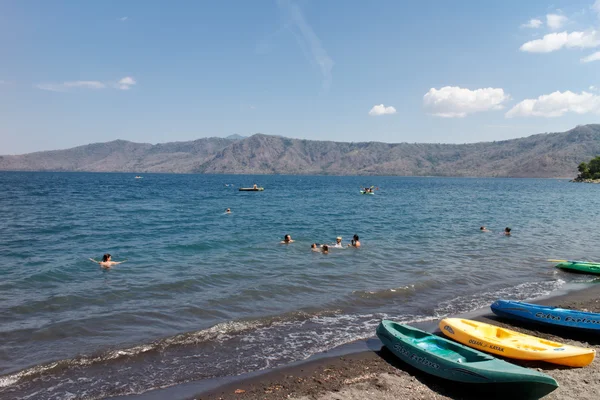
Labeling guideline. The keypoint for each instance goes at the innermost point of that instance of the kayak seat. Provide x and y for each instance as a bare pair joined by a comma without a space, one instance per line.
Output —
451,351
502,334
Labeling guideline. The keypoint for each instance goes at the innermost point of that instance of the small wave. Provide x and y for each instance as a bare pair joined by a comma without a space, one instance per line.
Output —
191,247
523,291
215,334
401,291
260,343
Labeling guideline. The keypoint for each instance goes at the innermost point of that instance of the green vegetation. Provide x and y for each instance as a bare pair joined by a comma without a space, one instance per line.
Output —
589,170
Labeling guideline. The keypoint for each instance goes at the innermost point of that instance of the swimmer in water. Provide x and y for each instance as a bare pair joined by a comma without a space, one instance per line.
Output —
287,239
315,247
338,242
228,211
483,229
325,249
107,261
354,242
507,231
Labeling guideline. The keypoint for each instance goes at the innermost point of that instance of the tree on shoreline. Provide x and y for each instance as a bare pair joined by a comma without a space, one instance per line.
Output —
589,170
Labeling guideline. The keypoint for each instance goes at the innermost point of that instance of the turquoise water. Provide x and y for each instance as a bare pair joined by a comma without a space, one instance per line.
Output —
205,294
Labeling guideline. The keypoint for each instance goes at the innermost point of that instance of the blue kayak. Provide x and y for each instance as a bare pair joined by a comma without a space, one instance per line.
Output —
547,315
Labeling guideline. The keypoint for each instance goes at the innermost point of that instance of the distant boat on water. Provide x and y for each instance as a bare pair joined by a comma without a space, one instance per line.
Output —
254,188
138,177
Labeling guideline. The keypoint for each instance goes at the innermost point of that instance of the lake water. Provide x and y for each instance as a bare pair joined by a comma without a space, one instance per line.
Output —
205,294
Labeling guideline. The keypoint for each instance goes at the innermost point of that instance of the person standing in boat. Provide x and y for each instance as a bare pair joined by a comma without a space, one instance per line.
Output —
255,186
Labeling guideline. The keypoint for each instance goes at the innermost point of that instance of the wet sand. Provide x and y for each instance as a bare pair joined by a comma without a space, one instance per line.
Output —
378,374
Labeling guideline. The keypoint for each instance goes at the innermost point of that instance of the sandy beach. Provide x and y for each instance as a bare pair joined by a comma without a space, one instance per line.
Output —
380,375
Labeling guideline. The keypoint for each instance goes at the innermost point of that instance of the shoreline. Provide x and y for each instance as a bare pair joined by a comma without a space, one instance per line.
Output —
363,370
576,180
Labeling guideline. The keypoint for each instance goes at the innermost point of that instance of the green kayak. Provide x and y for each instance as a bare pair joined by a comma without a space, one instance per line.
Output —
580,266
453,361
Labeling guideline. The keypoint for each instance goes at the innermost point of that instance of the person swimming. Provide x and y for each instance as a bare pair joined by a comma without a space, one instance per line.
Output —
315,247
338,242
107,261
228,211
507,231
287,239
483,229
325,249
354,242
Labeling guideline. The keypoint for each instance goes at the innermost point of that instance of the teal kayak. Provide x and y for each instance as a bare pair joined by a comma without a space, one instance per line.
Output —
453,361
580,266
363,192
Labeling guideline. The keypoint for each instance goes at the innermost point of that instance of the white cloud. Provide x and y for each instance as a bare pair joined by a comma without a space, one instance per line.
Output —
593,88
592,57
533,23
85,84
123,84
126,83
456,102
555,21
123,19
556,41
380,109
308,40
65,86
557,104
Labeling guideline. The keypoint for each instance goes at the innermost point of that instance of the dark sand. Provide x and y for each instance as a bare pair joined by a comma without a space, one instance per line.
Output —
378,374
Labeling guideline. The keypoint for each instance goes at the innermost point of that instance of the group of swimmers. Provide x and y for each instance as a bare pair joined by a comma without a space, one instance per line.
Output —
107,261
324,248
506,231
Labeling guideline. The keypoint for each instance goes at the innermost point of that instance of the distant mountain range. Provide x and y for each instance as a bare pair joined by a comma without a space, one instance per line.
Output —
548,155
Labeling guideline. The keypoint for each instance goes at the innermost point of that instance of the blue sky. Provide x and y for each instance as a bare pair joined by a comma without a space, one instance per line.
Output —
73,73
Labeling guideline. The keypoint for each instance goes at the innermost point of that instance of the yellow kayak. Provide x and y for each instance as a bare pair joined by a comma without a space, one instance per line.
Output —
504,342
